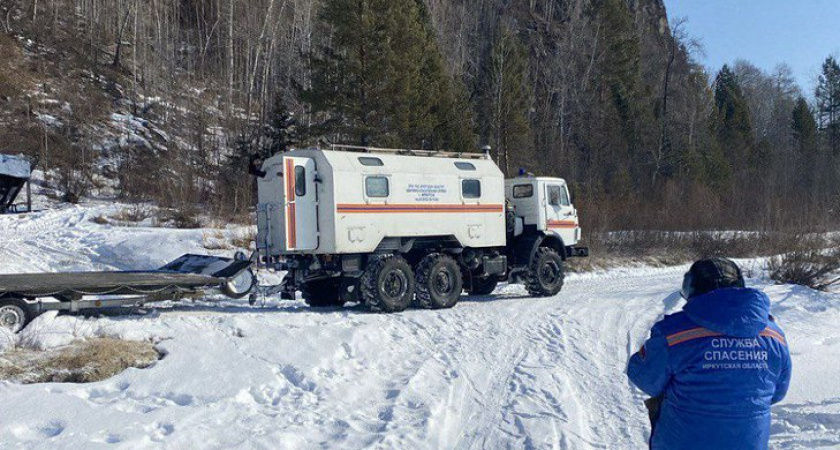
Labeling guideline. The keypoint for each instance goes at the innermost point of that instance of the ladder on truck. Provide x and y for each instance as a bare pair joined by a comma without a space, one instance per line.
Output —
409,152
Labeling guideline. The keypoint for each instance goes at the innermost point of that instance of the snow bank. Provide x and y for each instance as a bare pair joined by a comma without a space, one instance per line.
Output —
8,340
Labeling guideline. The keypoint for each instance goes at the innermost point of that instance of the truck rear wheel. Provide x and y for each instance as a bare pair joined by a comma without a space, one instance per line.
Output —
15,314
483,285
387,284
439,282
545,273
321,293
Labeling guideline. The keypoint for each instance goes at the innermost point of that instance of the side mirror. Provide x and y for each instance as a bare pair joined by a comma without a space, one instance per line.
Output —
255,163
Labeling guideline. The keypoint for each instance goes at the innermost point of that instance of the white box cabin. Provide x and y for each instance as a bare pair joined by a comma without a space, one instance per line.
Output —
341,202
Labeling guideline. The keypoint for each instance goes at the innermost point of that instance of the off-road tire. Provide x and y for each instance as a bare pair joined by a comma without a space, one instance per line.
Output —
483,285
439,282
387,284
15,314
322,293
545,273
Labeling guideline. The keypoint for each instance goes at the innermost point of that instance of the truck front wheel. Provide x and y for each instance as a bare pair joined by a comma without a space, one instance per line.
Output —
387,284
545,273
439,282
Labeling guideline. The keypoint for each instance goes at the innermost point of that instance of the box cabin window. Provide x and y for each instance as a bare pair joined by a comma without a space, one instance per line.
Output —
376,187
554,195
300,181
465,165
523,191
471,188
369,161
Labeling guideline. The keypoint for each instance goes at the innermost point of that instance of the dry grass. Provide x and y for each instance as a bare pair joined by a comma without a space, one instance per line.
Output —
814,265
243,240
230,240
179,218
100,220
134,213
215,240
659,249
81,362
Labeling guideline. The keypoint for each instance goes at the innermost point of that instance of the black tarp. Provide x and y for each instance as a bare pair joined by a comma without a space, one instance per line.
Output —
10,187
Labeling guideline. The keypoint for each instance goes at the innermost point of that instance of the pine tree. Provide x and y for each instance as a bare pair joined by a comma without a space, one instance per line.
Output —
620,64
507,98
280,133
804,128
828,103
804,132
381,79
731,120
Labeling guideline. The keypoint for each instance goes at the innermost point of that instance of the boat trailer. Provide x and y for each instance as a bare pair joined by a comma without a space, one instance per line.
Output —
25,296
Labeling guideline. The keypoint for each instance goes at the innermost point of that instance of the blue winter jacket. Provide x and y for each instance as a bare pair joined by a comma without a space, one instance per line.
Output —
720,364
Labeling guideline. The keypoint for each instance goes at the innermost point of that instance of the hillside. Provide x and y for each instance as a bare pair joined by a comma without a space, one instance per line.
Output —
166,101
143,101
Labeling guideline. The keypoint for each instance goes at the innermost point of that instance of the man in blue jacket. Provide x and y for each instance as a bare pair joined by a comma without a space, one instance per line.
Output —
717,366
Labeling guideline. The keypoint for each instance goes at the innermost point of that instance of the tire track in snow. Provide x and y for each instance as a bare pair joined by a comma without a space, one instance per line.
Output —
569,387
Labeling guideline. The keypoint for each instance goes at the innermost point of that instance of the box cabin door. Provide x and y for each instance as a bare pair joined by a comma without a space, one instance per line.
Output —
561,217
270,210
301,203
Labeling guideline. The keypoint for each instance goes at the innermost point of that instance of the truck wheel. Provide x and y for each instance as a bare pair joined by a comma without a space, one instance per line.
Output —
545,273
321,293
15,314
439,282
484,285
388,284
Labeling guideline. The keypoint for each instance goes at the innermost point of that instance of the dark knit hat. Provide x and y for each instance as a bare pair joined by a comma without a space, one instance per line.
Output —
709,274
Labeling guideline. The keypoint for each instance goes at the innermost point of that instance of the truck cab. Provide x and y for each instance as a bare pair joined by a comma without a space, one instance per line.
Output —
542,206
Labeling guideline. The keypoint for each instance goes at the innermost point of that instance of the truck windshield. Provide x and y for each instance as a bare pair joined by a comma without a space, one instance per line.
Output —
564,196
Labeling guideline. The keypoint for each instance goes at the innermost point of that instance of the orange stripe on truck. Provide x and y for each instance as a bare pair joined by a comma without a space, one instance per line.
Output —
561,224
291,231
348,208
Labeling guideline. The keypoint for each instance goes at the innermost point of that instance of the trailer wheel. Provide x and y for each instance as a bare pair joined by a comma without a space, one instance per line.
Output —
321,293
545,273
387,284
439,282
241,285
483,285
15,314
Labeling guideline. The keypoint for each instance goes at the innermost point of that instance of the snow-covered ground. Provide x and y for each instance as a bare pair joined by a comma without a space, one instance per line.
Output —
501,371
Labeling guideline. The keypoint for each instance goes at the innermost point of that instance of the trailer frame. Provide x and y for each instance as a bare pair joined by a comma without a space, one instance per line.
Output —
190,276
